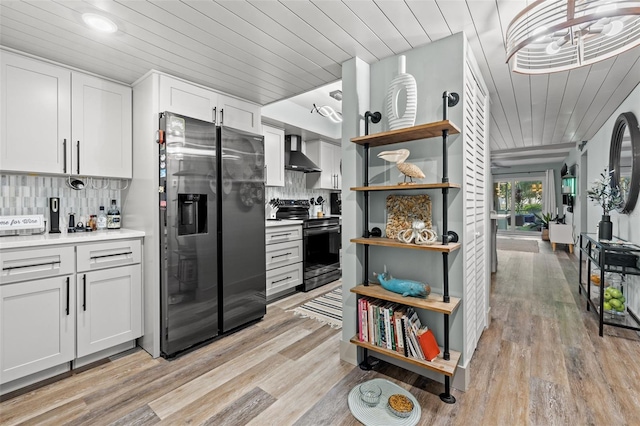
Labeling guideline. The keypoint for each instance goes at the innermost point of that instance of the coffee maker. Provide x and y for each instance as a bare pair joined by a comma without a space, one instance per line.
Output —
335,201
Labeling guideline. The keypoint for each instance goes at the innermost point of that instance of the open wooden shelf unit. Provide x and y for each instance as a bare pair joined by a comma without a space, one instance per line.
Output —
421,131
388,242
439,365
401,187
433,302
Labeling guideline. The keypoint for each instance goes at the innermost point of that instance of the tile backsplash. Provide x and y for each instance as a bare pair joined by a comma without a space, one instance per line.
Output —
27,195
295,188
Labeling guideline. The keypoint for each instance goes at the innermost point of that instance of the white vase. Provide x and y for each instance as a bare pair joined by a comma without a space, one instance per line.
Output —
408,83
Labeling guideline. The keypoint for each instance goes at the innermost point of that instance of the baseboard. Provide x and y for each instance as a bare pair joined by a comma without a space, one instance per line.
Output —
348,352
89,359
24,382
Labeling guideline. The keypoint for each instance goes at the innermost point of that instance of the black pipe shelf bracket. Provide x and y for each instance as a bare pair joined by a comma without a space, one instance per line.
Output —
375,117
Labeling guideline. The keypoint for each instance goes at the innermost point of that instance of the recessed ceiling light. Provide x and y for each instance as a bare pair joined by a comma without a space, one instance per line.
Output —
99,23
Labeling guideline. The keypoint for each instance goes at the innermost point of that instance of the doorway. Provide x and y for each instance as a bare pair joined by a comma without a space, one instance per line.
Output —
518,203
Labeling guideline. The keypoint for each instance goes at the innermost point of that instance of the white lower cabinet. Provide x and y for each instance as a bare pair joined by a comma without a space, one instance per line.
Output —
284,256
60,304
108,306
284,278
37,326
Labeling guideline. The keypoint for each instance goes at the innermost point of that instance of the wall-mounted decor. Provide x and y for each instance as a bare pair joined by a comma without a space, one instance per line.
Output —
405,84
624,159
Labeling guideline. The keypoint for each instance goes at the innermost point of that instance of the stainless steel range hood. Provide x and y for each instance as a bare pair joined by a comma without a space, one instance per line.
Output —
294,159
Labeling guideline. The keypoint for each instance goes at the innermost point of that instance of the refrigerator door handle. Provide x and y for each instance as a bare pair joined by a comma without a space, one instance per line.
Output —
222,116
214,114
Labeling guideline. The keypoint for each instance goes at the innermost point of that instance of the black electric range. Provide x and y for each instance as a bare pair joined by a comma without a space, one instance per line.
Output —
321,242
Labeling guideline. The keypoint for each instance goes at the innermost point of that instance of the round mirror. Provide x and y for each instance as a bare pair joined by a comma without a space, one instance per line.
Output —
624,159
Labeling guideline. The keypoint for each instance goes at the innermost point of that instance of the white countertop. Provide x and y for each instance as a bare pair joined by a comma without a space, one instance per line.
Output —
283,222
24,241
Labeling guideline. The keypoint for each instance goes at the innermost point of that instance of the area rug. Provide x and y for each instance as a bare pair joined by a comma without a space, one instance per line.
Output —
326,308
516,244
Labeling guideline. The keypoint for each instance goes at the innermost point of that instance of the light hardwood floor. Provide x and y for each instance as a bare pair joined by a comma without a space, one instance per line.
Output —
541,362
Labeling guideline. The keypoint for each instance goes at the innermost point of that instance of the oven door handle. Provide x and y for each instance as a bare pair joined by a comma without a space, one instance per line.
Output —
319,230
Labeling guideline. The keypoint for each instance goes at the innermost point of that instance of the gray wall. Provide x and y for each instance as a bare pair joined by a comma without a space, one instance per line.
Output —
595,157
433,76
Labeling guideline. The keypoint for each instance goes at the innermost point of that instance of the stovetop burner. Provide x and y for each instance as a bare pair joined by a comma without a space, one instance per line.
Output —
293,209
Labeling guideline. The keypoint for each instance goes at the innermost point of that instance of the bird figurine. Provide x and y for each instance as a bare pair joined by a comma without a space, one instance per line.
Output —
409,170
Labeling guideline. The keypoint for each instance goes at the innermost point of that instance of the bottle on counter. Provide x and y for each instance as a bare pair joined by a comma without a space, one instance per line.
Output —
113,216
102,219
93,222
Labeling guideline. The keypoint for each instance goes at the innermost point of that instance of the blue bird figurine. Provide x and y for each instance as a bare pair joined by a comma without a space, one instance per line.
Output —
403,287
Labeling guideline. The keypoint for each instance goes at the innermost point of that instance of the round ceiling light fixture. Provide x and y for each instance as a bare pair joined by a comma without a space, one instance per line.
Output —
558,35
99,23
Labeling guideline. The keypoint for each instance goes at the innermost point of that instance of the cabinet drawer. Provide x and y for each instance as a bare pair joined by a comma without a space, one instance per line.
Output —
283,254
284,278
108,254
23,265
279,234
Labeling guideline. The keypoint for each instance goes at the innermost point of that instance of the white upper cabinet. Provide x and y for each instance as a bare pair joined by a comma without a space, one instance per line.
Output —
273,155
56,121
35,128
193,101
239,114
328,157
187,99
101,127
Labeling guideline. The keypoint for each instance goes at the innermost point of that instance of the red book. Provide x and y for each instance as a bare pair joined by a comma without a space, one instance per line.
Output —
429,345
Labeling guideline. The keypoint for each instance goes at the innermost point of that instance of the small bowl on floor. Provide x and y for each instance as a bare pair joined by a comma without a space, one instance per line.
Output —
370,394
400,406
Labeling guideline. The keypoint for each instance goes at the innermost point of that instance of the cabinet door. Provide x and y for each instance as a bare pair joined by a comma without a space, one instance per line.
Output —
327,156
35,124
101,117
37,326
109,308
186,99
273,155
239,114
337,166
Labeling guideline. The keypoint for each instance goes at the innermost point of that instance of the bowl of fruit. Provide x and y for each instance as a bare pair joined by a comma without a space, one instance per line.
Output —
614,301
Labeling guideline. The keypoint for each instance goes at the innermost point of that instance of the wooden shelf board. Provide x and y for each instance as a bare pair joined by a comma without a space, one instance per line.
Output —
433,302
406,187
388,242
438,365
421,131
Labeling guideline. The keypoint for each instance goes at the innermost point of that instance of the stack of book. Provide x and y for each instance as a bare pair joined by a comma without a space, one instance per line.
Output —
395,327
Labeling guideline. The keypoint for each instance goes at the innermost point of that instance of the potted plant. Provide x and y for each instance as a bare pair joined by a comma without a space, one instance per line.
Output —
544,219
608,197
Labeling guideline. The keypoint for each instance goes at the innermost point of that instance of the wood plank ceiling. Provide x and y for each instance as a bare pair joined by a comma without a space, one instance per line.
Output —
269,50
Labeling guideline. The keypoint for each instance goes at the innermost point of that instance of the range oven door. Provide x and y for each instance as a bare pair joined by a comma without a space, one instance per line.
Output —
322,244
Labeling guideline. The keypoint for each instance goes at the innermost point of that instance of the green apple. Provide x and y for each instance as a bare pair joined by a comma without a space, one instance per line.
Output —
615,303
621,299
607,295
615,293
606,306
620,308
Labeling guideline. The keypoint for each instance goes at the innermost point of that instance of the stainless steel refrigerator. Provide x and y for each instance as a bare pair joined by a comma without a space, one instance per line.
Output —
211,213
